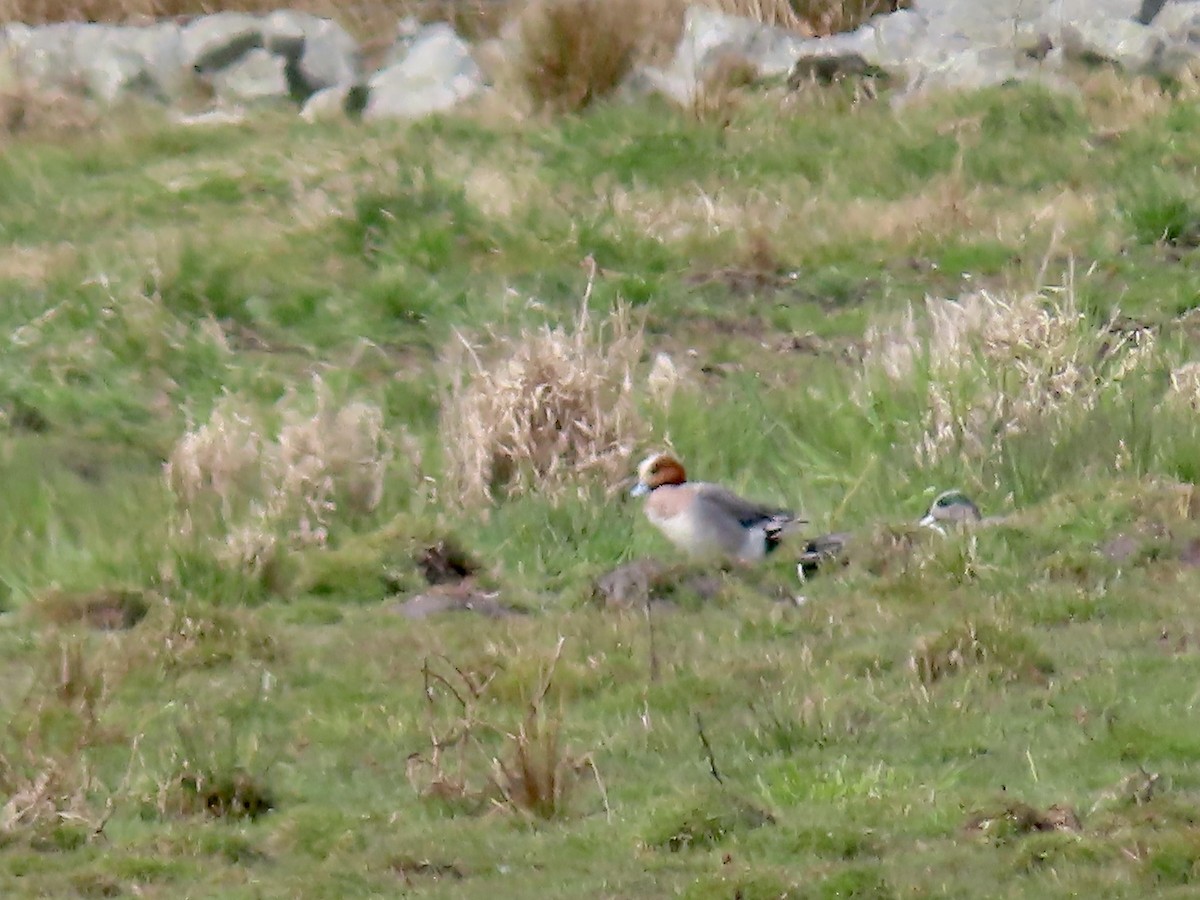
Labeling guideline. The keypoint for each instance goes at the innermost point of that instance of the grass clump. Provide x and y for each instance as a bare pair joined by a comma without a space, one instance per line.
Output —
235,794
27,109
707,823
104,609
185,637
1162,213
255,492
219,768
554,408
994,366
960,648
537,774
49,795
1185,386
531,773
575,52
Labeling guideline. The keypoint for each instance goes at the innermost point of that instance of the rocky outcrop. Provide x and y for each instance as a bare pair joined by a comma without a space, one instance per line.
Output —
281,56
708,36
944,44
963,43
242,59
431,72
108,62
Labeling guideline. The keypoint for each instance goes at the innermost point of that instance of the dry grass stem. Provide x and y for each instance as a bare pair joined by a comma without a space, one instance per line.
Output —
533,775
1185,386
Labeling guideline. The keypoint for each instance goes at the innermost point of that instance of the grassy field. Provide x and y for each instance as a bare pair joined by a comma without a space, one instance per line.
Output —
252,373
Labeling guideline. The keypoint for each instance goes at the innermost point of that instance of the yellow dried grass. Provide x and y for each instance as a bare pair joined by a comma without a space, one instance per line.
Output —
249,488
546,412
995,364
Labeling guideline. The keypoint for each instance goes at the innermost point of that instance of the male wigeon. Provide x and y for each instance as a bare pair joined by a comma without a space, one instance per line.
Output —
707,520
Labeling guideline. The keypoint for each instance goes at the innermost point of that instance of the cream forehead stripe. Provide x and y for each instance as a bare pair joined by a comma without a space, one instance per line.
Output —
645,465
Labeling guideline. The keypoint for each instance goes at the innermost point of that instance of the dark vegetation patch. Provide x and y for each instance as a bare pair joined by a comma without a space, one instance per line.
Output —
414,871
446,562
112,609
225,795
706,824
1014,819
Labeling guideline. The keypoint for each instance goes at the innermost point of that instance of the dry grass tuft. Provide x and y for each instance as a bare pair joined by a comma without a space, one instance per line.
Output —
48,793
47,800
996,365
1117,101
106,609
1185,386
549,411
251,489
775,13
574,52
27,109
825,17
717,97
535,773
538,774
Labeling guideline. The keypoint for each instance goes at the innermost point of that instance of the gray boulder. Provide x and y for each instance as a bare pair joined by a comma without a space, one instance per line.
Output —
322,53
336,102
257,76
105,61
968,43
1180,22
211,43
1127,43
708,36
285,53
121,61
435,73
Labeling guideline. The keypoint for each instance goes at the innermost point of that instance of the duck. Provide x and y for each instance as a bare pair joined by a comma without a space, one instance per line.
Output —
949,509
708,521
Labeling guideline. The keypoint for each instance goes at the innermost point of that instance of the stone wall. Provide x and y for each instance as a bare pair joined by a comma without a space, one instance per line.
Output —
235,60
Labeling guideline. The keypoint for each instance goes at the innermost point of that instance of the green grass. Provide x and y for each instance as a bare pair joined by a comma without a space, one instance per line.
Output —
148,271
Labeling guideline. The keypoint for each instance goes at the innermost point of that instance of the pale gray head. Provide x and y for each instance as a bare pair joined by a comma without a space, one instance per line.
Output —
953,507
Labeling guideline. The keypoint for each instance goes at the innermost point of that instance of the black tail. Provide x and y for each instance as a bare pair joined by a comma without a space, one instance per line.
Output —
777,527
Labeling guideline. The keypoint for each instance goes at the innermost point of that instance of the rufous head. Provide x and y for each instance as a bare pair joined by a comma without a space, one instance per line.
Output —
656,470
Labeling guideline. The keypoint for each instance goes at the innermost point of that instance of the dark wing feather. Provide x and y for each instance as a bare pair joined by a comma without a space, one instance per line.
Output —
748,513
824,549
